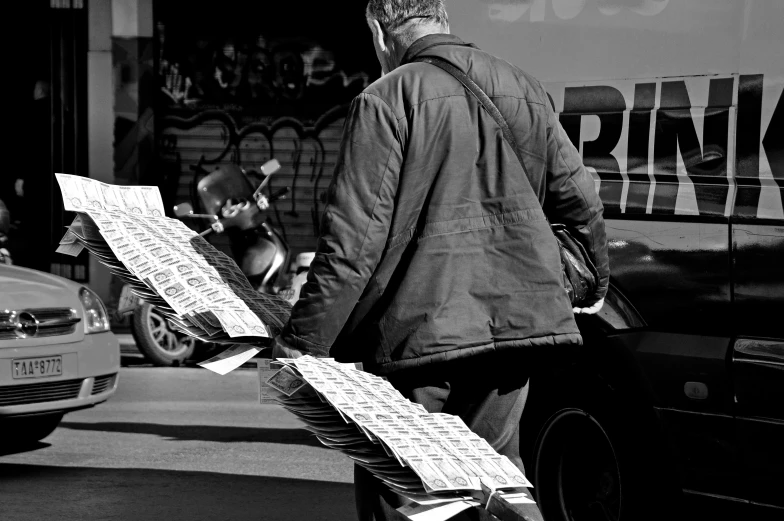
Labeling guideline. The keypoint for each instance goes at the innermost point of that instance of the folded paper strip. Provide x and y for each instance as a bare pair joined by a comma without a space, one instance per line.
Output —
201,291
431,459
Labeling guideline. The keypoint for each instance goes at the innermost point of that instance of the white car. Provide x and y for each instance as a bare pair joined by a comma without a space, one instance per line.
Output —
57,353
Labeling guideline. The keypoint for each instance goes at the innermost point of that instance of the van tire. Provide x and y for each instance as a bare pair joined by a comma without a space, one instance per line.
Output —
597,457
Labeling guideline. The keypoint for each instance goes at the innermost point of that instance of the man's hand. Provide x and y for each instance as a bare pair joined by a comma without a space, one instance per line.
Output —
592,310
282,350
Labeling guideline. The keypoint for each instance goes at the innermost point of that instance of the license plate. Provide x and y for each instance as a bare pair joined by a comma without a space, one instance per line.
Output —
38,367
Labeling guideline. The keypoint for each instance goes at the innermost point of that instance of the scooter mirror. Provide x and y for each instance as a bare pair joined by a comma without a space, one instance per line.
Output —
183,209
270,167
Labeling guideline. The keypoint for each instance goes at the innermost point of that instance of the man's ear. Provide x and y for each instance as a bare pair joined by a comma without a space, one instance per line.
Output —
378,34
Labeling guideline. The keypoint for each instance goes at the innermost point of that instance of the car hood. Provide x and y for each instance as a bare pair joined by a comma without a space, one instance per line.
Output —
22,288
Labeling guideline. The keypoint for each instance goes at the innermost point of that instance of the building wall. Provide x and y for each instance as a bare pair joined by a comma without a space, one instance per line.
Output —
230,82
240,82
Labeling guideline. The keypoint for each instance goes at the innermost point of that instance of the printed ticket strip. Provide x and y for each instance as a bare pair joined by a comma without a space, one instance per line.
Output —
429,458
201,291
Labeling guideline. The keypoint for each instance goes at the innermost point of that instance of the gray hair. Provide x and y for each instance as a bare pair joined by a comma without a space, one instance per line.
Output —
395,15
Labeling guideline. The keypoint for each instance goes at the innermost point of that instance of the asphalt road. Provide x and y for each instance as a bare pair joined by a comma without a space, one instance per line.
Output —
178,444
187,444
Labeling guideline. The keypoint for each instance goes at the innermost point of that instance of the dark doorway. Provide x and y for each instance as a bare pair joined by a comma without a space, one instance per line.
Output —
49,98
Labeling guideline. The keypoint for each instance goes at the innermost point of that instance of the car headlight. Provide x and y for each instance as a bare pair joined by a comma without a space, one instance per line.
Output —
96,319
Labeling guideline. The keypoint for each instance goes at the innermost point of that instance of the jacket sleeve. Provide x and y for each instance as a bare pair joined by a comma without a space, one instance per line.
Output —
354,226
571,198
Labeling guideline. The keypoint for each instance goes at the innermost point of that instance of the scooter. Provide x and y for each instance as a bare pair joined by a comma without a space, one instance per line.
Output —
232,208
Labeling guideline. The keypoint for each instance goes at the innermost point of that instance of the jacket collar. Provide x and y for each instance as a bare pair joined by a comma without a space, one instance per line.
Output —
429,41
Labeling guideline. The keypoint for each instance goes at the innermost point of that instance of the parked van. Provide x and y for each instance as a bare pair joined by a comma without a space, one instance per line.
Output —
676,107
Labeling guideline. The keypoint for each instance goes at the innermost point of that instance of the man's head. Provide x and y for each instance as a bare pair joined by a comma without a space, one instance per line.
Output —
396,24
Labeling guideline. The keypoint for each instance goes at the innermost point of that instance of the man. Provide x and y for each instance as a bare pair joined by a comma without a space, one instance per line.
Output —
435,264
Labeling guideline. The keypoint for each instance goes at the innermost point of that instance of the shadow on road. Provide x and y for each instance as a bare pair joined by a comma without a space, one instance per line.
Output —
134,361
38,492
27,447
91,494
226,434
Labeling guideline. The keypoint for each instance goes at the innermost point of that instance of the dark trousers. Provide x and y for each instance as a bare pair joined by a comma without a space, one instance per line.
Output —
488,392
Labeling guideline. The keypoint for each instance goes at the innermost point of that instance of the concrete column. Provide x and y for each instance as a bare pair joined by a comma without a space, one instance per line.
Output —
120,92
100,115
132,54
133,91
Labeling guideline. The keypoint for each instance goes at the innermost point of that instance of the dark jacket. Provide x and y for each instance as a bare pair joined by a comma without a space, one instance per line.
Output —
433,243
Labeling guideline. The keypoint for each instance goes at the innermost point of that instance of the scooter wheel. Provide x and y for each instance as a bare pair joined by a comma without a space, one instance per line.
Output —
156,340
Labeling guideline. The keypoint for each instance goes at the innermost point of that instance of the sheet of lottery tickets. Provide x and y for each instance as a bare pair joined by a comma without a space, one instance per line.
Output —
422,456
166,262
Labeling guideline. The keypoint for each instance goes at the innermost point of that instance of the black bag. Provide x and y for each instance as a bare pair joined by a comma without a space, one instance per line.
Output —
580,276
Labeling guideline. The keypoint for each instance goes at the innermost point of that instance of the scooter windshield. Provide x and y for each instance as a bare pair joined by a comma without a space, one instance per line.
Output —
228,182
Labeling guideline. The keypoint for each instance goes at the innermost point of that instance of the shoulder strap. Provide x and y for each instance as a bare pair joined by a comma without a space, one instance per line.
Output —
480,95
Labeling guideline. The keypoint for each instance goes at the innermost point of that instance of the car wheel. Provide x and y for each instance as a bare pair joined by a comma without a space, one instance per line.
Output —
594,460
157,341
28,429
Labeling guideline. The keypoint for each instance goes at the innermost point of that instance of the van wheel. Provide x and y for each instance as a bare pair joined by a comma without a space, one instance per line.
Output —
594,460
157,341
